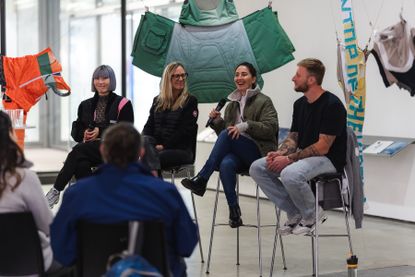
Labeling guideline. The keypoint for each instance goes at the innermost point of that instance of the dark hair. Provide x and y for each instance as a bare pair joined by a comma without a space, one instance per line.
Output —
11,156
121,144
251,70
315,68
104,71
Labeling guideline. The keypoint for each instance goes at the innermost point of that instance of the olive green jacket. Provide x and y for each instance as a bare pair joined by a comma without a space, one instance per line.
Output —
259,113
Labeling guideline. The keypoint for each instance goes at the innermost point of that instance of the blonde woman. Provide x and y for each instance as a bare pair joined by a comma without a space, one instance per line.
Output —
171,126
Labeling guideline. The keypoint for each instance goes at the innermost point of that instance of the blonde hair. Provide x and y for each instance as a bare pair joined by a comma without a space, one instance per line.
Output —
165,98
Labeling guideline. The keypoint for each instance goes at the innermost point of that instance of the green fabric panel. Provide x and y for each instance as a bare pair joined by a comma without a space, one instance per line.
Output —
224,13
271,45
213,91
45,68
44,64
210,56
151,43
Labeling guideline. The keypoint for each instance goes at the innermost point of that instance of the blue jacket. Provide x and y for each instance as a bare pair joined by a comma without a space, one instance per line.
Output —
112,195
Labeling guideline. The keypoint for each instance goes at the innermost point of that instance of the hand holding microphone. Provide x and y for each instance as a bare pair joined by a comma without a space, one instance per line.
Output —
215,113
91,133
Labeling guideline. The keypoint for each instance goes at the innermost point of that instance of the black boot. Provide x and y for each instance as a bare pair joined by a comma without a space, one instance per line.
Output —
196,184
235,219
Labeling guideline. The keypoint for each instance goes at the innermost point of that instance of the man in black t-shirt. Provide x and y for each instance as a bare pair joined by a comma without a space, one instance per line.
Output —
315,145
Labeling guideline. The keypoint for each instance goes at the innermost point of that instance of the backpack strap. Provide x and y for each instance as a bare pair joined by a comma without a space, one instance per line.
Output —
121,105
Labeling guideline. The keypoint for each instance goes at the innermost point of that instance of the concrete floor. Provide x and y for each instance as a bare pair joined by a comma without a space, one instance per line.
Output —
381,243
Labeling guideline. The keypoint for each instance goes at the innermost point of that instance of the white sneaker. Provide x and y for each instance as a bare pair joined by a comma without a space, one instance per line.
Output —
308,226
289,225
53,197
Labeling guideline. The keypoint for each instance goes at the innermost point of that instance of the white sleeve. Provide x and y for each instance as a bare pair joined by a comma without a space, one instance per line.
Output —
36,201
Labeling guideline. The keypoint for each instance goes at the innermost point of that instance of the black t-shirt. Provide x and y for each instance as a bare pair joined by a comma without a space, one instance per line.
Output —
326,115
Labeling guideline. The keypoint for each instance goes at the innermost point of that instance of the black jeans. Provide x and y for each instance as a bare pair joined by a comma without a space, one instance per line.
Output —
83,156
156,160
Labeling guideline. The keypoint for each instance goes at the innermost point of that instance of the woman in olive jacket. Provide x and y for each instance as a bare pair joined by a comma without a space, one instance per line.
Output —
248,131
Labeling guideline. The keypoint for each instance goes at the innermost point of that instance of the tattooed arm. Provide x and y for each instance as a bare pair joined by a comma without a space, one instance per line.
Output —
277,160
289,145
320,148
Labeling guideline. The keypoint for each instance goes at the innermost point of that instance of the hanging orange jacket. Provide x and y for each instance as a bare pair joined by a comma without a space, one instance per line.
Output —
28,78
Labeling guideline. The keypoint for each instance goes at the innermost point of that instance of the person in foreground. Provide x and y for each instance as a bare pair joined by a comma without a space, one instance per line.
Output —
247,132
316,144
94,116
171,128
122,190
21,191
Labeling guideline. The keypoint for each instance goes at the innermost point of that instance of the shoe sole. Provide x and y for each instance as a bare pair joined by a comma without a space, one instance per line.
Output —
51,205
239,224
310,232
187,185
284,233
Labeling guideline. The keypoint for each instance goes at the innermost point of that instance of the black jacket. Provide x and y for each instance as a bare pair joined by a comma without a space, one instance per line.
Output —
174,129
86,115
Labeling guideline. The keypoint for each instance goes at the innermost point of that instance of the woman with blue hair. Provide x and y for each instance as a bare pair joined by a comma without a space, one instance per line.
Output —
94,116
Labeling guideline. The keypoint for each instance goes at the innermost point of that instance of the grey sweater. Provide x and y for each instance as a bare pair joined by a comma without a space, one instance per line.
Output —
354,178
29,196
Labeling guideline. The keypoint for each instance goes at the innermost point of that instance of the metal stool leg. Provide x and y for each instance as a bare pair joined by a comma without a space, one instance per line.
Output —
194,212
213,226
276,237
315,237
346,218
258,216
197,223
237,229
198,232
281,242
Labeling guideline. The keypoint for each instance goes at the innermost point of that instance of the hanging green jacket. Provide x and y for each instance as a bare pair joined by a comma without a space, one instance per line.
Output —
211,53
206,13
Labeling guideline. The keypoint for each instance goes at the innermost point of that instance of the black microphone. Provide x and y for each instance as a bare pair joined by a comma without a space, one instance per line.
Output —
91,126
219,107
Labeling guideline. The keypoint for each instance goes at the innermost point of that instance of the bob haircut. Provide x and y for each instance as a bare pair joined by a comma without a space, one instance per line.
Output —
104,71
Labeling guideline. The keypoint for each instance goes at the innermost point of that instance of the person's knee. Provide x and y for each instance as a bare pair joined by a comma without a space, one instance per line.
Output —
73,155
291,177
227,165
257,168
223,135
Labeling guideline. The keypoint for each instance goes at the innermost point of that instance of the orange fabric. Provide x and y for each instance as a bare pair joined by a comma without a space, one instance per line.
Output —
25,84
20,133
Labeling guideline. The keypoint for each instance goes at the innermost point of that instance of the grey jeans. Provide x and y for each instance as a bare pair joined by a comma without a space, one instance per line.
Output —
289,190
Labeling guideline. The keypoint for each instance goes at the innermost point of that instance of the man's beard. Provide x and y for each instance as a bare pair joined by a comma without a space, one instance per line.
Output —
301,88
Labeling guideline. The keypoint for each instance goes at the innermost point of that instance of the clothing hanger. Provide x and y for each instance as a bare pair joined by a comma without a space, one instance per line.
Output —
401,14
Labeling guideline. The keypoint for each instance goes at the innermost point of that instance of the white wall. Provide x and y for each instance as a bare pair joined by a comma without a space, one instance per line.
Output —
311,25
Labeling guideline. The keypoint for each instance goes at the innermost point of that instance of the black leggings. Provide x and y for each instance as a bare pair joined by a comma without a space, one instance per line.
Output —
83,156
